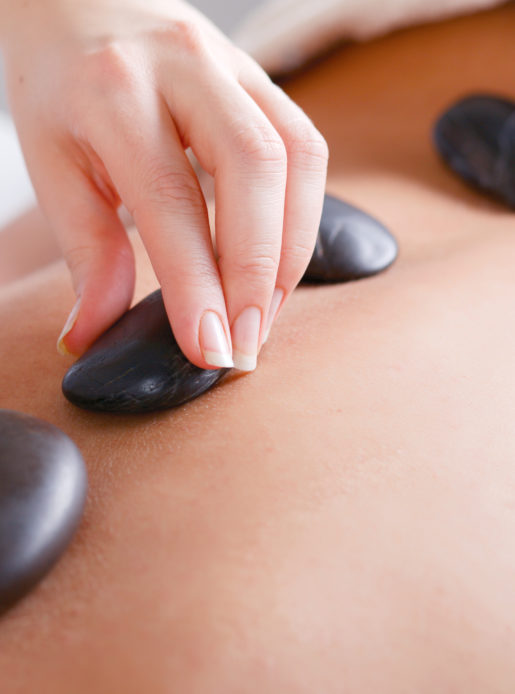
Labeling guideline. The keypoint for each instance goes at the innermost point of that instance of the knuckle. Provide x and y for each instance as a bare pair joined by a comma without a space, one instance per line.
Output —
297,255
259,144
110,66
185,35
259,263
306,143
163,185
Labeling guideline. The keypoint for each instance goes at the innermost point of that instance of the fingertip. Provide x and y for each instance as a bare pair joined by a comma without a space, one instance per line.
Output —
62,346
63,350
213,341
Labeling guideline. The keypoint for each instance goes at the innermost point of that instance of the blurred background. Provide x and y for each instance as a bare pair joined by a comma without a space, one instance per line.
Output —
227,14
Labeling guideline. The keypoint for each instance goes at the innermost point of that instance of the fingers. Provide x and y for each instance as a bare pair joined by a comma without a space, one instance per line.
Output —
270,166
95,246
157,184
307,154
240,147
250,185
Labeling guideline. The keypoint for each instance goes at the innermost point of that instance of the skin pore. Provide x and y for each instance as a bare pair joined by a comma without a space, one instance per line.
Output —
342,519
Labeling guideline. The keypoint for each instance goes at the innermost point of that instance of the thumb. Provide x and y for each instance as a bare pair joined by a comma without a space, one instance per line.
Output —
97,251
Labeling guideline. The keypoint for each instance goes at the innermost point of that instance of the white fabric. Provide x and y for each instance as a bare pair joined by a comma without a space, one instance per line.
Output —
16,192
283,34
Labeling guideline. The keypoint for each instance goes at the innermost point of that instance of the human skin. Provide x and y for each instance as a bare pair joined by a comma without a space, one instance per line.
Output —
26,244
342,519
107,96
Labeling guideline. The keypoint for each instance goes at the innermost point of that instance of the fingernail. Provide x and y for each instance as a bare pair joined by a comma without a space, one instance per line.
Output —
70,322
277,298
245,336
213,342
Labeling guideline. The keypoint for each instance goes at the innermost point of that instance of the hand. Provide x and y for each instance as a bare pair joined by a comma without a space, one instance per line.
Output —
107,96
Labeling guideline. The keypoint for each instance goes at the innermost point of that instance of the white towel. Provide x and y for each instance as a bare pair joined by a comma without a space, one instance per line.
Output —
282,34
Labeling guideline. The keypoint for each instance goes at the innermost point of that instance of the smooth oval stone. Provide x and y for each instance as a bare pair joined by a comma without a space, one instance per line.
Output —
476,138
43,485
137,366
350,245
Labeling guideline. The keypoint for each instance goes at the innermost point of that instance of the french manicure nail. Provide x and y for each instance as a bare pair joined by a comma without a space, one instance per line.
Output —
277,298
213,342
245,336
70,322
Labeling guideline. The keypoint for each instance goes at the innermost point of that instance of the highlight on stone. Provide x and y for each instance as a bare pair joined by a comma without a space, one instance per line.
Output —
476,139
350,245
137,366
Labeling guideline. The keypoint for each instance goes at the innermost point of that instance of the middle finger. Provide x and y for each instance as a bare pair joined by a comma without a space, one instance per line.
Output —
238,145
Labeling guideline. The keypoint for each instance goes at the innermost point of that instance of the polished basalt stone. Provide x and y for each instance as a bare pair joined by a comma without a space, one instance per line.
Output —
43,486
350,245
476,138
137,366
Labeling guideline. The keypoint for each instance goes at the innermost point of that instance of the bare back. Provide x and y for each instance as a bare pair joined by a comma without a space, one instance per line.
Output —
341,520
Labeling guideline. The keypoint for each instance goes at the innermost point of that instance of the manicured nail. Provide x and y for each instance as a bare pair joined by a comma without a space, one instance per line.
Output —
70,322
245,336
213,342
277,298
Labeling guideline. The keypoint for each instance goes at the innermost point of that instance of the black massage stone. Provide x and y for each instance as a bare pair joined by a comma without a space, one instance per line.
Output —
137,366
350,245
43,486
476,138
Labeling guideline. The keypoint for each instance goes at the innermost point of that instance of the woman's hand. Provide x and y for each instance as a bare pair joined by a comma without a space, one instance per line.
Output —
107,96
